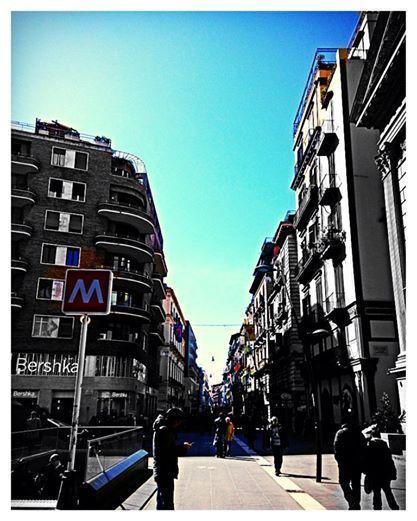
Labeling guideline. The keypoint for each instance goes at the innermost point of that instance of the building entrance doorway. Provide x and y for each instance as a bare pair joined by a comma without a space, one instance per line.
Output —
61,406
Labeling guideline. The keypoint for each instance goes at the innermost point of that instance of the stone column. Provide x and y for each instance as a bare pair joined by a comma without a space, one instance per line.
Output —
387,161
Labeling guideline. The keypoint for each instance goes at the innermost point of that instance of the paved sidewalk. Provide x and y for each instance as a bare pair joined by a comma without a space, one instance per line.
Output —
246,481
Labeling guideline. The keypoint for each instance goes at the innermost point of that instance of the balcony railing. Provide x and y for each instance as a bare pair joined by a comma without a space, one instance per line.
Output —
329,192
24,164
332,243
21,230
306,206
309,263
17,300
133,310
324,58
129,244
22,196
304,155
129,213
336,308
131,275
328,140
19,264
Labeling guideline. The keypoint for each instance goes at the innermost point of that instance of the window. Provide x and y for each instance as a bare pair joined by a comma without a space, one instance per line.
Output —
63,222
69,158
47,326
50,289
58,156
71,190
60,255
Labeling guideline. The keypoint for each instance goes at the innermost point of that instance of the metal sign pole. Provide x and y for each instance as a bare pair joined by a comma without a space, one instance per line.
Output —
85,320
68,493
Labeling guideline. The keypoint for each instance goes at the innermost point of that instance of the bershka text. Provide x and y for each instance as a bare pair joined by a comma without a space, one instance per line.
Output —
39,367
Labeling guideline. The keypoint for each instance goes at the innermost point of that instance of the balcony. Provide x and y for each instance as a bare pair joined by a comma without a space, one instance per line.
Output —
23,164
328,140
158,288
127,214
160,266
21,231
336,310
305,153
17,301
157,334
128,179
308,265
329,192
332,244
22,197
131,311
306,207
125,244
129,277
110,345
158,312
19,265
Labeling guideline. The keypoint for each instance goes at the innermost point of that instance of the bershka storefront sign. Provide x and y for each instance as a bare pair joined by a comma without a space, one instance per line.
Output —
37,365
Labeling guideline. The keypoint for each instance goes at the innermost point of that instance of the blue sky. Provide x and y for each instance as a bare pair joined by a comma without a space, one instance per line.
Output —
207,101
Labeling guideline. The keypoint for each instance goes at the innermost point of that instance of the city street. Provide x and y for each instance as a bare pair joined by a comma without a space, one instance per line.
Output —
246,481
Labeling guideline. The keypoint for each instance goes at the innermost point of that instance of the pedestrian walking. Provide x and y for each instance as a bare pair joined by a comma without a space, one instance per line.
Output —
278,442
230,433
379,468
219,435
349,445
165,456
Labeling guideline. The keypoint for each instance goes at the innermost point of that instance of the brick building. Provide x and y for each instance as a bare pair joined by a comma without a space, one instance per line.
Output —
78,203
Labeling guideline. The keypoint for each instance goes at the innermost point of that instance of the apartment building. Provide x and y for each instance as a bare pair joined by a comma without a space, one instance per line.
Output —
172,355
260,313
191,371
379,104
343,268
288,372
76,202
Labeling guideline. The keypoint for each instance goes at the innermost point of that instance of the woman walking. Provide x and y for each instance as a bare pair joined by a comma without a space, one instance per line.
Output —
230,432
379,471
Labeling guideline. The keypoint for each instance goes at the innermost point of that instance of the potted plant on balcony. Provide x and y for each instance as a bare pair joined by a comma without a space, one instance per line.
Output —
390,425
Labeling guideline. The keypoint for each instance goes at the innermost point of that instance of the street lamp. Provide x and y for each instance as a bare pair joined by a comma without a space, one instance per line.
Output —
306,338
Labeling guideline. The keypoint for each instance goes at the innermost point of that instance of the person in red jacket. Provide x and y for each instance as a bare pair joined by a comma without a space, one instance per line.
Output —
380,470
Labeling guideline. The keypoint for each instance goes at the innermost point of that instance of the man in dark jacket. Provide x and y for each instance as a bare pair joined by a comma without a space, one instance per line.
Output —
220,435
278,441
380,470
165,456
349,445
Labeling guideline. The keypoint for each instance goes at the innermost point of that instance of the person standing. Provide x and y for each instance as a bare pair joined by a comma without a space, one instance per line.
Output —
380,470
54,472
278,442
165,456
349,445
33,425
230,433
219,435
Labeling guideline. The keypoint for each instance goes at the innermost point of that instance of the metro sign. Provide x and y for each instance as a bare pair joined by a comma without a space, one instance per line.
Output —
87,292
